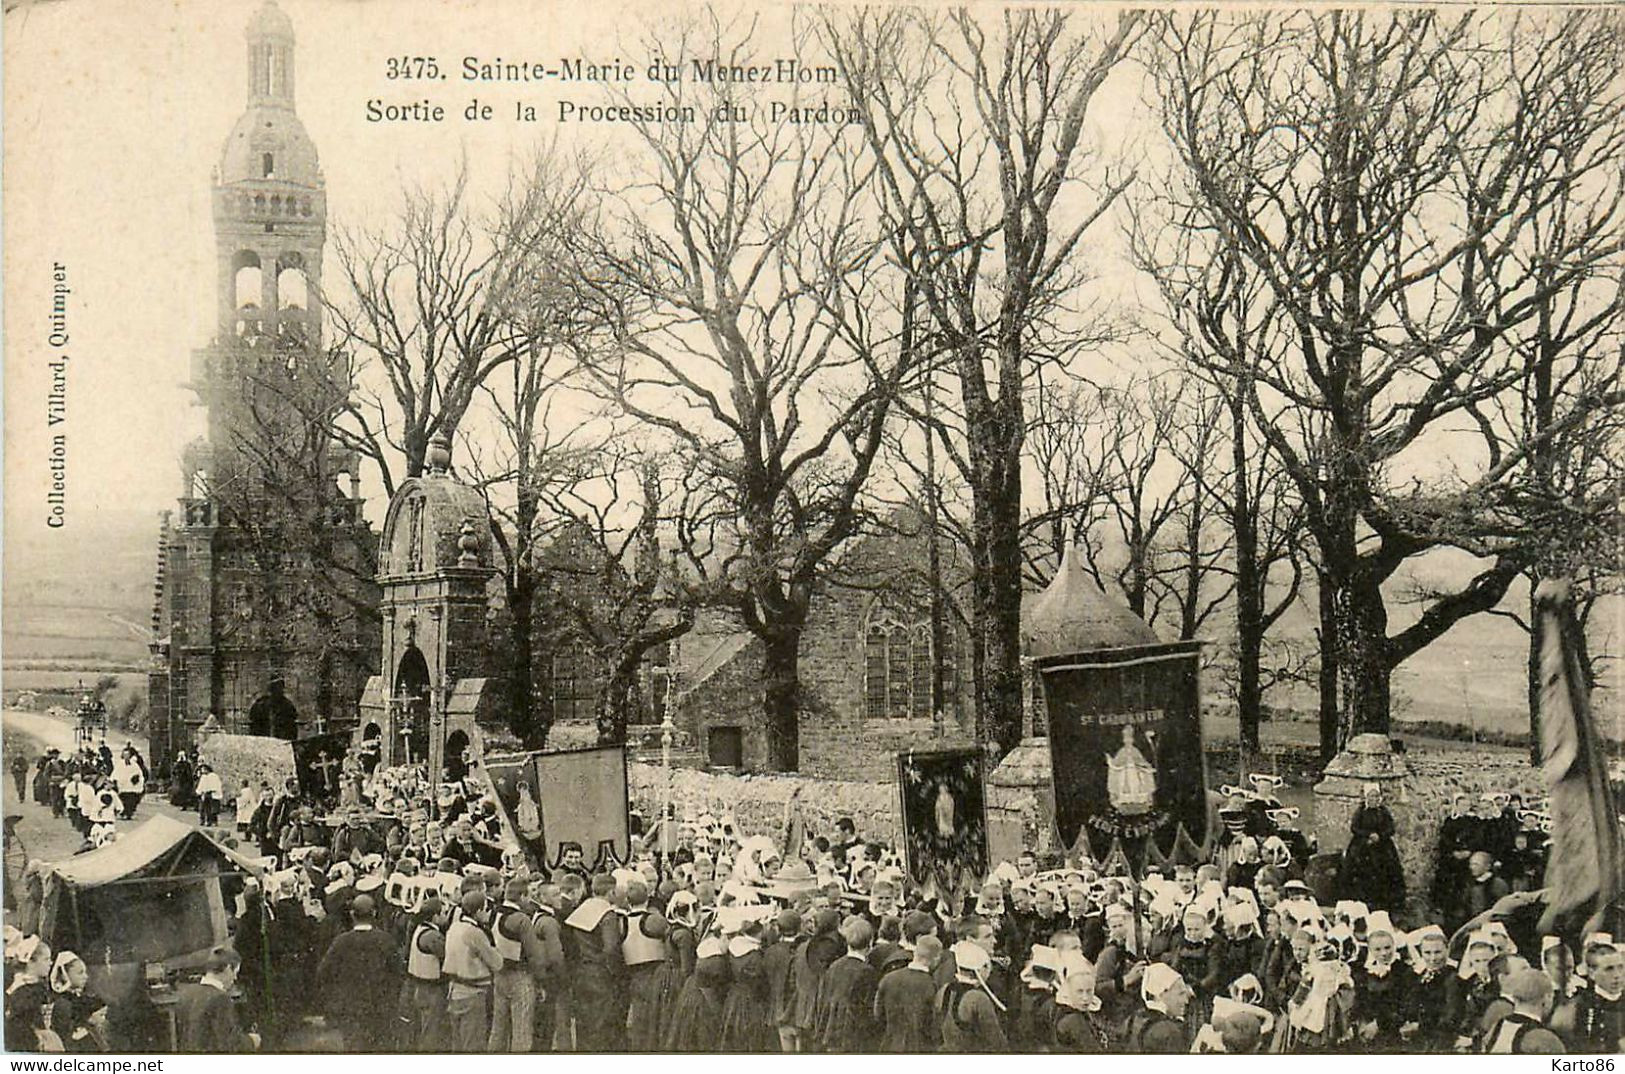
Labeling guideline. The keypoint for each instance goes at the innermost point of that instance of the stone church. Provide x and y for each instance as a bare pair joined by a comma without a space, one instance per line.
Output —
265,605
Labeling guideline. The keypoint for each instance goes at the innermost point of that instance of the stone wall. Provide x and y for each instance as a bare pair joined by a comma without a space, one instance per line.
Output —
251,757
1434,778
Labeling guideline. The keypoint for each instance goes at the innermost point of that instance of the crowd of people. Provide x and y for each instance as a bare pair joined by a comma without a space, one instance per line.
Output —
90,787
395,932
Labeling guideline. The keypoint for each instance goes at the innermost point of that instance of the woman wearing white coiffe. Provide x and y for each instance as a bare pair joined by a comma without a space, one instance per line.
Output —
758,861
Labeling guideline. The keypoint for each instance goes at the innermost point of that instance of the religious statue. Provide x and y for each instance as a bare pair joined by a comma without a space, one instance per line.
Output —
528,815
350,786
1131,781
945,811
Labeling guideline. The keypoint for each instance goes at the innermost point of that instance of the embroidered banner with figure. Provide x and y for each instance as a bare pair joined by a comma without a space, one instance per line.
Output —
1125,741
941,795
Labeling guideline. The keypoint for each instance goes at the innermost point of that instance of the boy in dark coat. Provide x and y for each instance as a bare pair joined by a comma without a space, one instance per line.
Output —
905,1002
361,966
844,1018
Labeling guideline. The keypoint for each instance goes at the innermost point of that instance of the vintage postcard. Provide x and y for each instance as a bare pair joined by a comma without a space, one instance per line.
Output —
850,527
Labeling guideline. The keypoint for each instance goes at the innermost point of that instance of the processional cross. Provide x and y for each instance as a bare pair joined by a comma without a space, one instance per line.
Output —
326,764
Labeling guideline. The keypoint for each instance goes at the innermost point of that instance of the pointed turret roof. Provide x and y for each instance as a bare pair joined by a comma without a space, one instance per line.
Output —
1074,615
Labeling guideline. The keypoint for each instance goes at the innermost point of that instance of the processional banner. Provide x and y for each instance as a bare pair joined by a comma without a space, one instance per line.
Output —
572,796
942,797
318,762
1125,739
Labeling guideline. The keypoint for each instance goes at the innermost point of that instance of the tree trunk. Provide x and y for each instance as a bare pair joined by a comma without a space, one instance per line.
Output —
998,516
614,704
981,611
1329,669
1138,569
1193,565
416,449
781,697
1362,654
529,721
1249,586
1532,675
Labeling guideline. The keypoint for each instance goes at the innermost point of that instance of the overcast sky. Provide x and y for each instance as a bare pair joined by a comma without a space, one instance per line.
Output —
116,114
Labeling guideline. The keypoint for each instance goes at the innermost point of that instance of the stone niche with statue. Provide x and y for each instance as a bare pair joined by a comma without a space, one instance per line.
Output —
443,611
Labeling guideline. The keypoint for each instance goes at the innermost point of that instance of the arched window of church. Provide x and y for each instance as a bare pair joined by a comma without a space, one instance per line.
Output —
920,674
899,666
874,673
950,672
898,661
267,166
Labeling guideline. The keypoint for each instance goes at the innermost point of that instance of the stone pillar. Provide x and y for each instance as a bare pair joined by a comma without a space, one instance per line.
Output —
1370,758
1020,803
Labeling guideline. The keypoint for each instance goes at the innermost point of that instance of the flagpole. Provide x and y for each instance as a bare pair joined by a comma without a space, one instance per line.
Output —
666,730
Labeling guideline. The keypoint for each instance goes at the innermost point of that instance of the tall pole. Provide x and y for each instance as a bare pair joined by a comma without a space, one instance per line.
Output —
437,744
933,547
667,729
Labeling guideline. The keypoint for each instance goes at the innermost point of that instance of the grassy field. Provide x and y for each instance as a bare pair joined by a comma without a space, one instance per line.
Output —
78,633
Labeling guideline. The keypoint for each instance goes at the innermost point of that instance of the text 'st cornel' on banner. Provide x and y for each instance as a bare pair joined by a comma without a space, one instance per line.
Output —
1125,738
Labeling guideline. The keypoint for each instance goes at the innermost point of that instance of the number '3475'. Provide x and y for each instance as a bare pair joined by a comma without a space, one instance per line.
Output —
409,68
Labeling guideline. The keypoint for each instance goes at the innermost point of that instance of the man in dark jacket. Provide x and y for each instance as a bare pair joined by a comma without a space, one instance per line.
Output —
19,773
906,1002
361,966
1482,890
205,1018
1594,1021
844,1018
814,957
592,937
355,839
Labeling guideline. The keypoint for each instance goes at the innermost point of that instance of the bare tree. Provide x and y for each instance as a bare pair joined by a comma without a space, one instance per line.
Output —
1373,170
985,175
426,309
1572,350
1222,320
762,338
550,212
1140,488
1193,573
280,506
613,588
1068,445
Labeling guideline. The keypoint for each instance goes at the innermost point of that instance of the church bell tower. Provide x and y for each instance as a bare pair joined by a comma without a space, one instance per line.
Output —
266,573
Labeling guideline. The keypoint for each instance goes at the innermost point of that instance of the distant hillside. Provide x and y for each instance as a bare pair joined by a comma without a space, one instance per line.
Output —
1474,675
83,594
